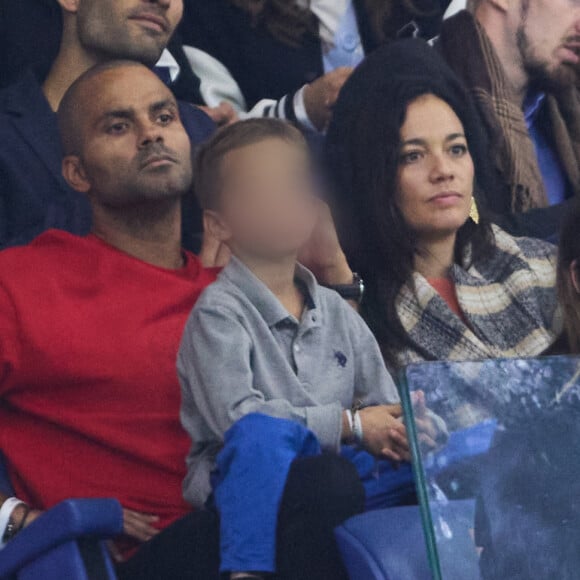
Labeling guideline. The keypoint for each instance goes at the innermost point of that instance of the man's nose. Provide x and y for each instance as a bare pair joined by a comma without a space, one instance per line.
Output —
162,3
150,133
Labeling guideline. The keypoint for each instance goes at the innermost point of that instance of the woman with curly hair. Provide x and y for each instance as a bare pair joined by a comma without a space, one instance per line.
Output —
289,58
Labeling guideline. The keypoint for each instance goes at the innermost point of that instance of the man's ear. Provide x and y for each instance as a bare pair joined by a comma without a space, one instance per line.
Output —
74,174
70,6
575,275
215,226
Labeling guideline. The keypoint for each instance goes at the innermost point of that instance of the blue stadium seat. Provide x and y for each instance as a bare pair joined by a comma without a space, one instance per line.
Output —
390,544
65,542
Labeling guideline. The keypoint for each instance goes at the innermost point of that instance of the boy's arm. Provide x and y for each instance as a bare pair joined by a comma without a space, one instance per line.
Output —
214,367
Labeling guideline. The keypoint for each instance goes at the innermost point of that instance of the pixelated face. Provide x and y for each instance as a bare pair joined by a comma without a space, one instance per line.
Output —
127,29
548,36
436,172
133,146
267,201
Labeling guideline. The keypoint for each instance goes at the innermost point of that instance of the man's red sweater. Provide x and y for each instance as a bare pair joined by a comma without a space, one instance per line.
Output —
89,395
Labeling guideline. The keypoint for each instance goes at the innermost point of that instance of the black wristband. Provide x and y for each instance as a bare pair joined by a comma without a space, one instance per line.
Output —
354,291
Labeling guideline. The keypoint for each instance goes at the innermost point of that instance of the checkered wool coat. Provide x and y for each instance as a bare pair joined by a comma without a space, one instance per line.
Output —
509,302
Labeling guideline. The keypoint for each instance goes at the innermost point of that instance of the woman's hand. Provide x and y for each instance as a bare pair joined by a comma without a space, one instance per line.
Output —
430,428
384,434
323,253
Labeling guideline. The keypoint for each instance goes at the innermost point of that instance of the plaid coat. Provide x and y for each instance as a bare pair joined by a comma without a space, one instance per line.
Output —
509,301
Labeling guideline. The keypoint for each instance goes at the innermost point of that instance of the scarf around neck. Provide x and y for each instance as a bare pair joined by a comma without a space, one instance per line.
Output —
478,65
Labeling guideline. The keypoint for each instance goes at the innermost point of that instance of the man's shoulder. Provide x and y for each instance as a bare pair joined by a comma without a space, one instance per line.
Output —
49,250
222,295
24,94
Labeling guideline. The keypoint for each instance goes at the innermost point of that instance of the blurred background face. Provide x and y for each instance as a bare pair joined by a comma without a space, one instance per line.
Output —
128,29
548,36
134,147
267,202
436,173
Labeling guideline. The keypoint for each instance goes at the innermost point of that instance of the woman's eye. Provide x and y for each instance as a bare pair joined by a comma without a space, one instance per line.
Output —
458,150
411,157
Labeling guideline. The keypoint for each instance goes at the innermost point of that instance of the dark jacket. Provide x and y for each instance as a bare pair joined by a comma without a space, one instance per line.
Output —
33,194
263,66
30,33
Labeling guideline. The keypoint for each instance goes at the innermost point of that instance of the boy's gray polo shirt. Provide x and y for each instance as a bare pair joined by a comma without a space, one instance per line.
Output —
242,353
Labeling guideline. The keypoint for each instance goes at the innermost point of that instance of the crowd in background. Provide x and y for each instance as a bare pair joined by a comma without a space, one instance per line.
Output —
164,166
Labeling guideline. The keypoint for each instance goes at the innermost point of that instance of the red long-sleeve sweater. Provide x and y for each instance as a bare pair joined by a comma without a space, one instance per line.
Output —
89,396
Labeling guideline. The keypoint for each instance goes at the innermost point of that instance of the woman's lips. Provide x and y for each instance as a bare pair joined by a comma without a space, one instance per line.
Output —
446,198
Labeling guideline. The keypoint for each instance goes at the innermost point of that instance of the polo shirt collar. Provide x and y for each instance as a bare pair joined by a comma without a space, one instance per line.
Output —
262,297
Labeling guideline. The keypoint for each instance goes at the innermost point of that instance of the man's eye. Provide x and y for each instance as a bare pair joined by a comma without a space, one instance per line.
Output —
117,128
166,118
458,150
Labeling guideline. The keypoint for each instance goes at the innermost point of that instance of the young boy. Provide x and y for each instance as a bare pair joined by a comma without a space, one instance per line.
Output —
266,338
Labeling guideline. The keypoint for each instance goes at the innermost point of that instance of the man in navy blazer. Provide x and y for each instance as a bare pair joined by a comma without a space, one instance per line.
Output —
33,194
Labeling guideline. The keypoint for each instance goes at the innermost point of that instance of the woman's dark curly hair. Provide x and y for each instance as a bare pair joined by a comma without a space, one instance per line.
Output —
362,152
291,23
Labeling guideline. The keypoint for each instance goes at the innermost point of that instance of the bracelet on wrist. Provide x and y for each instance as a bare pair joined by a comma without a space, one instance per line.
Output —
8,527
349,420
357,428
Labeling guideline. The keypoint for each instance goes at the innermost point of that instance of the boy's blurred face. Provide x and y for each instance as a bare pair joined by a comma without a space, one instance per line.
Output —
267,202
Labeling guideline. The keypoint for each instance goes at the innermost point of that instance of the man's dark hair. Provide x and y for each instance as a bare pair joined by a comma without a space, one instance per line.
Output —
363,148
209,157
70,110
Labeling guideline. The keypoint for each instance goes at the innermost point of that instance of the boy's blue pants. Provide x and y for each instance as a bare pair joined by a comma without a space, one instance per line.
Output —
251,475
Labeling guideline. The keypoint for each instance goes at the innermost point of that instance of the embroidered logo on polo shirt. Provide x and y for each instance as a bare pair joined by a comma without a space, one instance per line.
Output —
340,358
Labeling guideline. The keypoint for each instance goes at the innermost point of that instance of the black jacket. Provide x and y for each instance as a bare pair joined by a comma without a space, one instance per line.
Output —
263,66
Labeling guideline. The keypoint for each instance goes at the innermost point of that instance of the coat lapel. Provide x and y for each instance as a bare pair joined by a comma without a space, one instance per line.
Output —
35,121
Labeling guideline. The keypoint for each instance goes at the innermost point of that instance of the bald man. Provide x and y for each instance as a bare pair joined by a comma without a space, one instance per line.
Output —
90,328
34,196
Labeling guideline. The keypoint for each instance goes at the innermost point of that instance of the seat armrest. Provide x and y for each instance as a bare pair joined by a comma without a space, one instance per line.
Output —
67,521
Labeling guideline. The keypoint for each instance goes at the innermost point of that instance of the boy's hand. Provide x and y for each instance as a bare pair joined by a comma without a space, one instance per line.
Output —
323,254
384,433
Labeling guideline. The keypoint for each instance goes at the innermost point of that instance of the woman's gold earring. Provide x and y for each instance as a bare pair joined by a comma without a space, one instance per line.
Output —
474,212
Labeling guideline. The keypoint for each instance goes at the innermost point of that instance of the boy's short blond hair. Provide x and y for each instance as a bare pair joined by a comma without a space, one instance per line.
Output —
209,157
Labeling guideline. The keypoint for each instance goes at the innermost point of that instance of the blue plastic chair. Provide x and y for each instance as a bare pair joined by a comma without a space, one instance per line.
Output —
389,544
65,542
